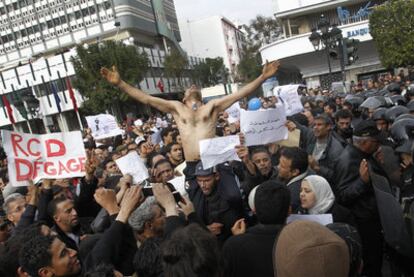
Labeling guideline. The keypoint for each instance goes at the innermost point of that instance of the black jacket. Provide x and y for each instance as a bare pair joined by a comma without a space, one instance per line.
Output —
349,188
250,254
329,157
251,181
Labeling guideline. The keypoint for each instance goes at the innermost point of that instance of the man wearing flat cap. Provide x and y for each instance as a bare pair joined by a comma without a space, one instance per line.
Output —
354,190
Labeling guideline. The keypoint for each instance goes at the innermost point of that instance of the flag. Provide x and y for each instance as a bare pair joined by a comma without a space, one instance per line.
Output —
56,96
160,85
71,94
8,109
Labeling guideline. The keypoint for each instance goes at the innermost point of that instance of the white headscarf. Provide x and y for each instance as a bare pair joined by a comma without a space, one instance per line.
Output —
323,194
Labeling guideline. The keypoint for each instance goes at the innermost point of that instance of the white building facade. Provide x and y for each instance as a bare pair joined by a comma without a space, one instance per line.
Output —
297,54
38,39
213,37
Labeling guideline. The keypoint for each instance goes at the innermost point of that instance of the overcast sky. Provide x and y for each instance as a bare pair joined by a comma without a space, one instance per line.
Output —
236,10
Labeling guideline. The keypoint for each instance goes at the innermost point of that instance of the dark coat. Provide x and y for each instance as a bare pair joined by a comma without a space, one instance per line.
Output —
329,157
349,188
250,254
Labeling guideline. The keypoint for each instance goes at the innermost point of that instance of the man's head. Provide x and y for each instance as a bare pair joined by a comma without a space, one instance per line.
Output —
101,153
270,201
63,213
174,153
167,135
147,220
367,137
192,96
260,156
14,206
110,166
322,126
293,162
207,179
164,171
343,119
329,108
46,256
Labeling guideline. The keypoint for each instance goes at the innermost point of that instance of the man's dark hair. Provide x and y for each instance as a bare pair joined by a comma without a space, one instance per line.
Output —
167,149
191,251
163,161
36,254
52,206
325,118
299,118
106,161
148,260
259,149
343,114
101,270
150,156
331,105
164,132
298,156
272,201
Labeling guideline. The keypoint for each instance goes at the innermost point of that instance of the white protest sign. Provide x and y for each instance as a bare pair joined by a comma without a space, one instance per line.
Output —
289,97
218,150
234,111
103,126
179,184
133,165
323,219
50,156
261,127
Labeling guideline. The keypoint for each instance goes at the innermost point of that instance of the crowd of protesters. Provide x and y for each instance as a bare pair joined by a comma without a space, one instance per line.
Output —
228,220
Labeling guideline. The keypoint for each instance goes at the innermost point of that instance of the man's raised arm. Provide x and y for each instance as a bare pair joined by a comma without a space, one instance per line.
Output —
113,77
269,70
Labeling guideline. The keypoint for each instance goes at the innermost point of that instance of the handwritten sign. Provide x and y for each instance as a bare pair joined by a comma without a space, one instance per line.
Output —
323,219
288,96
133,165
261,127
234,111
51,156
103,126
218,150
179,184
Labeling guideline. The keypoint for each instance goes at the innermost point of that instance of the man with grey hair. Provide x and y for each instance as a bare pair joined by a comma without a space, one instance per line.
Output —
14,206
147,220
354,190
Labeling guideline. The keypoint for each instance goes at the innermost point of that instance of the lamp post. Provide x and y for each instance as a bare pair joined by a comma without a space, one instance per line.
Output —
329,38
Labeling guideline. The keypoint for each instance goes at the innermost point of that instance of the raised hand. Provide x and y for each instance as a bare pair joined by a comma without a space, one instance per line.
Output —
106,199
270,69
165,198
364,171
239,227
112,76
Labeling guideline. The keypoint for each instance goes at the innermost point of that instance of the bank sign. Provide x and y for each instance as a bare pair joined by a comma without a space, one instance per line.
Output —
357,32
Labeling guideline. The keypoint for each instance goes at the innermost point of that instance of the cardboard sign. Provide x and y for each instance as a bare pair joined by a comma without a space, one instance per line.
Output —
262,127
218,150
50,156
289,97
103,126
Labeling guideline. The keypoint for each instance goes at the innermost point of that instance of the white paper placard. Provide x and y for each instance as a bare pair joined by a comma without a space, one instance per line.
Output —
262,127
323,219
133,165
289,97
103,126
218,150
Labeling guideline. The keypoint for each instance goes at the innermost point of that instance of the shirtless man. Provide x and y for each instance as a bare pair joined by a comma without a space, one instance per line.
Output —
194,120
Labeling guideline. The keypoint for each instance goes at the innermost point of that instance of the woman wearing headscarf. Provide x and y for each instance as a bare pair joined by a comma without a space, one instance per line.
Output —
316,197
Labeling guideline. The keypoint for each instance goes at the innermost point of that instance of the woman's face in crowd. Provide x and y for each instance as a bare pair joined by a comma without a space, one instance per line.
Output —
307,196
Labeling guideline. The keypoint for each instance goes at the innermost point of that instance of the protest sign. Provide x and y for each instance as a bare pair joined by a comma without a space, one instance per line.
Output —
218,150
293,139
261,127
179,185
103,126
50,156
234,111
268,86
133,165
323,219
289,97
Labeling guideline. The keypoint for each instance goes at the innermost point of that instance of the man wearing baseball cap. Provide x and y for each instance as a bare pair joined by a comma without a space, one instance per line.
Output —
354,190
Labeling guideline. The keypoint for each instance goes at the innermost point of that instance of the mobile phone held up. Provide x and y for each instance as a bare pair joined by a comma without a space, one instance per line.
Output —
147,191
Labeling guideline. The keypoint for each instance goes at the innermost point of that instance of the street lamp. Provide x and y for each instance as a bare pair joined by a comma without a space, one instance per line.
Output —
328,38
